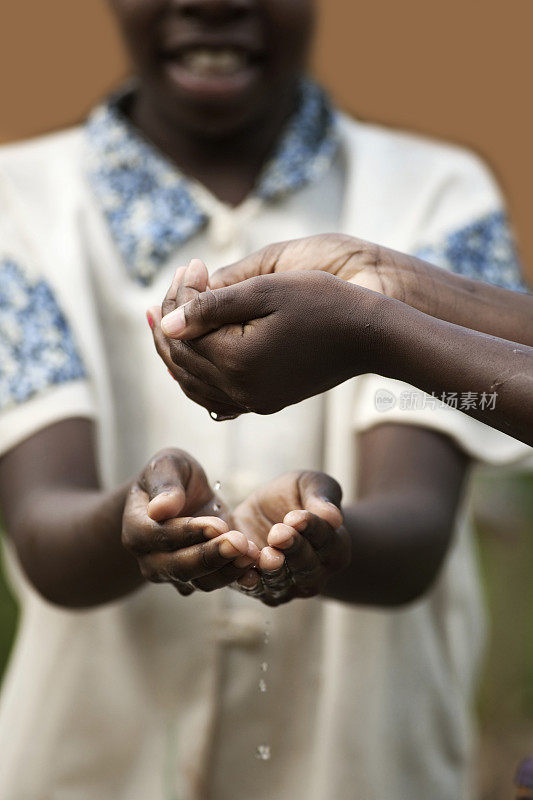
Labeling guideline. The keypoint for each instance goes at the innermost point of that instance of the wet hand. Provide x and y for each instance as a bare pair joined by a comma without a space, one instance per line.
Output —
296,522
274,340
176,527
346,257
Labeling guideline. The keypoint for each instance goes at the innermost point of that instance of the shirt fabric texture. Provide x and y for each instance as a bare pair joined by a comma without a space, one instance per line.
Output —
157,696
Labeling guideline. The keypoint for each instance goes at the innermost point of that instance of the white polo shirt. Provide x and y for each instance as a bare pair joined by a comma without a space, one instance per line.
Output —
157,696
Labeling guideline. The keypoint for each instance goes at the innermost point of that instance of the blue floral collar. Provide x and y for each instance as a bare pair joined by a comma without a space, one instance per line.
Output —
148,203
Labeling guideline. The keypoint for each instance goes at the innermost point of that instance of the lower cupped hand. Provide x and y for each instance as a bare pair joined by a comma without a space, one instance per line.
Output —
176,527
305,542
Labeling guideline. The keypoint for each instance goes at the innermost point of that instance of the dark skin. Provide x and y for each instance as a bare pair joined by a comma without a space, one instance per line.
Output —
219,128
81,546
391,314
394,538
398,532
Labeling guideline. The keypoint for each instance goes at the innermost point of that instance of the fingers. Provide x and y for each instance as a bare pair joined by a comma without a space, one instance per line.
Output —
270,587
277,583
142,535
164,480
332,547
192,563
190,380
230,573
213,309
301,560
240,271
316,530
195,280
263,262
321,495
271,559
169,302
271,582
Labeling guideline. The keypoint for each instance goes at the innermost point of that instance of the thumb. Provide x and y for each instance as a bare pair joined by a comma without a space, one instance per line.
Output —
321,495
211,310
165,480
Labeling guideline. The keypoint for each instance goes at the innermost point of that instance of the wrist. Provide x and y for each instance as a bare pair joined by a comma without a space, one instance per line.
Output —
372,323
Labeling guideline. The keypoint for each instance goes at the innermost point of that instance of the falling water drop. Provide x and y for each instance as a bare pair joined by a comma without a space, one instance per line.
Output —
263,752
262,685
264,666
217,486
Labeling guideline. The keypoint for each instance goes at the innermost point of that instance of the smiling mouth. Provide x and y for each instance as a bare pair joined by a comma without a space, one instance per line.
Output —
213,62
207,61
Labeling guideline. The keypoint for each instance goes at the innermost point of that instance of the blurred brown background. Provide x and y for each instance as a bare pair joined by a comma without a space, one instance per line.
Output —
457,70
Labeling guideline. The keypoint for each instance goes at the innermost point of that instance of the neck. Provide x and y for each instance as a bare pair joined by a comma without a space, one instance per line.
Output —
227,165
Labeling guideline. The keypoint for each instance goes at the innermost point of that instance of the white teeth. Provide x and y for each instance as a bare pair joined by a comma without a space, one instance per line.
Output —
206,61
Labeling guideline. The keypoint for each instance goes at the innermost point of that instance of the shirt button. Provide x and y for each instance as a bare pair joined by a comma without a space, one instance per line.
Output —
223,231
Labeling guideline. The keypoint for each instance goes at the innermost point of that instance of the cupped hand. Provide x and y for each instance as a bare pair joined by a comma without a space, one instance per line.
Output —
346,257
176,527
296,522
267,342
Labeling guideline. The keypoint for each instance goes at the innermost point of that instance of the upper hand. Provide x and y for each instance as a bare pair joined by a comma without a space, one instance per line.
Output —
284,338
344,256
174,525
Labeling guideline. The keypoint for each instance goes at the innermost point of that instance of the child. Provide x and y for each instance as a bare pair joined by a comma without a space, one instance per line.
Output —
220,148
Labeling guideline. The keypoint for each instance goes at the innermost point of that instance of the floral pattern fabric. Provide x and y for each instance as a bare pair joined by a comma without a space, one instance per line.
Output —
37,348
483,250
147,201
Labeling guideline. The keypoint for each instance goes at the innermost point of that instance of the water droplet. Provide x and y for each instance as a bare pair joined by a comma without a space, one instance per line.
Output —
217,486
262,685
213,415
264,666
263,752
216,507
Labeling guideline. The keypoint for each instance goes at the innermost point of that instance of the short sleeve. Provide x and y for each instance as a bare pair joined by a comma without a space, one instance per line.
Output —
381,401
466,228
463,228
42,375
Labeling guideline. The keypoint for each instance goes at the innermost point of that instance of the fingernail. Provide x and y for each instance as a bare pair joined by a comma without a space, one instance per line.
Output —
253,551
285,545
150,320
174,323
227,550
249,580
232,546
271,559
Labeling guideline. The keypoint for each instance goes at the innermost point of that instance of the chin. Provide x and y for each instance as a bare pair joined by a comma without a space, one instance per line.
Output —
215,116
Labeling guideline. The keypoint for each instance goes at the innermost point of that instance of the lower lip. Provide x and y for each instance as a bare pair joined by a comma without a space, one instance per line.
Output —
212,87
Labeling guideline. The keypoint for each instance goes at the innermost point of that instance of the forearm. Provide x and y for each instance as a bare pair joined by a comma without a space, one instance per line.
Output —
454,298
69,544
398,545
449,361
